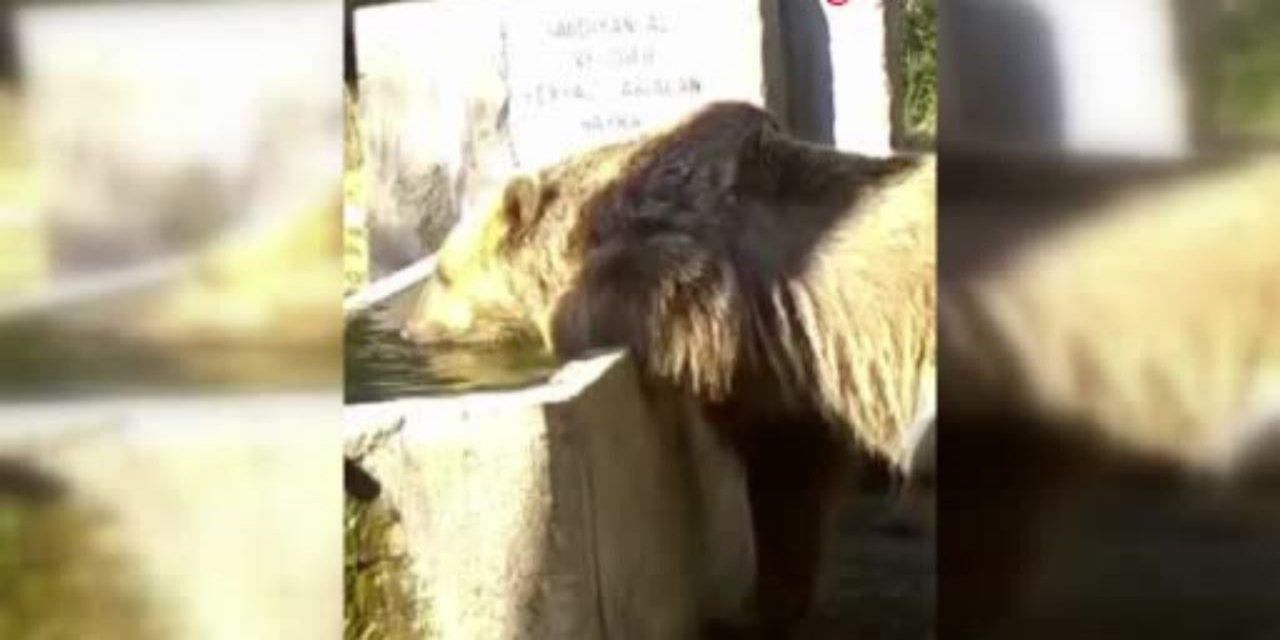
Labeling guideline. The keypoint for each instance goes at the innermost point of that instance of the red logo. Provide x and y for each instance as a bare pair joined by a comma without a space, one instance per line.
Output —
837,3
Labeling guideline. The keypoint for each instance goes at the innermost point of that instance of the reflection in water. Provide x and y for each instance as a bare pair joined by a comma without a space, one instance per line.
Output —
381,365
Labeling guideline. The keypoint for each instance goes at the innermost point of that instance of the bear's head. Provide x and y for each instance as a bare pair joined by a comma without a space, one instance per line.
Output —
615,246
500,273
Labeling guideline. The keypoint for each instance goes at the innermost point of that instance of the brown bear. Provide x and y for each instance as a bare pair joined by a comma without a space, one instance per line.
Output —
787,289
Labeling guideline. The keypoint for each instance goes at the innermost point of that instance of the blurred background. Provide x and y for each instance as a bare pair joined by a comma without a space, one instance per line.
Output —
1108,318
170,255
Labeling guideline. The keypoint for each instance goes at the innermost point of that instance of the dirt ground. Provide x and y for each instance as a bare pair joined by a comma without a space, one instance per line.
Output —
881,579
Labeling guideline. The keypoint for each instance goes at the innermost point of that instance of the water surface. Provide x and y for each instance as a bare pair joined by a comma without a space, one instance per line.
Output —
381,365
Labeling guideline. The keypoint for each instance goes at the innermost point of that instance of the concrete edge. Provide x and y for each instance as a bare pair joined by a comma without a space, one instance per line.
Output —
388,287
570,380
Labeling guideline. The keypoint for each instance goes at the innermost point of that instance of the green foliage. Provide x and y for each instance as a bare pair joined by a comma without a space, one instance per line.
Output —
378,603
1249,74
355,240
921,66
352,154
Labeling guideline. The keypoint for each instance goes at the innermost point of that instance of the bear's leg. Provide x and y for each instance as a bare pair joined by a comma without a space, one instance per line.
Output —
789,469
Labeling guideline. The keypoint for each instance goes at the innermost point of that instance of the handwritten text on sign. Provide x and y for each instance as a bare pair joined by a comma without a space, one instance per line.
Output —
582,75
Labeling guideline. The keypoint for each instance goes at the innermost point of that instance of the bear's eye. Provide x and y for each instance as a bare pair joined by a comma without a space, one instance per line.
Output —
444,278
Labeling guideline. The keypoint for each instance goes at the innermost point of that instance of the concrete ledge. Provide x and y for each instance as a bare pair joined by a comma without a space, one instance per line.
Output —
574,509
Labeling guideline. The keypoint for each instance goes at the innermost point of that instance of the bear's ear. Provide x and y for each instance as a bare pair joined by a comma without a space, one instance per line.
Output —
520,202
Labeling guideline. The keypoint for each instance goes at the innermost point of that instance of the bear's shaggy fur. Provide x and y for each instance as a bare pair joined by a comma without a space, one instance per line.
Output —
788,289
1141,341
1153,321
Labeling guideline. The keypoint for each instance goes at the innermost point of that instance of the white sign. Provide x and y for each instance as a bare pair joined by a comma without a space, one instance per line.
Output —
582,74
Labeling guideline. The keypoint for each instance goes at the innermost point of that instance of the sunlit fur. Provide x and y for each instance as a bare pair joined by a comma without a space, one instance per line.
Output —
1157,321
739,266
500,275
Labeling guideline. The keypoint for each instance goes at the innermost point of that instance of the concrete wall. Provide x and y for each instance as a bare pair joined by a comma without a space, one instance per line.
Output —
838,82
569,510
